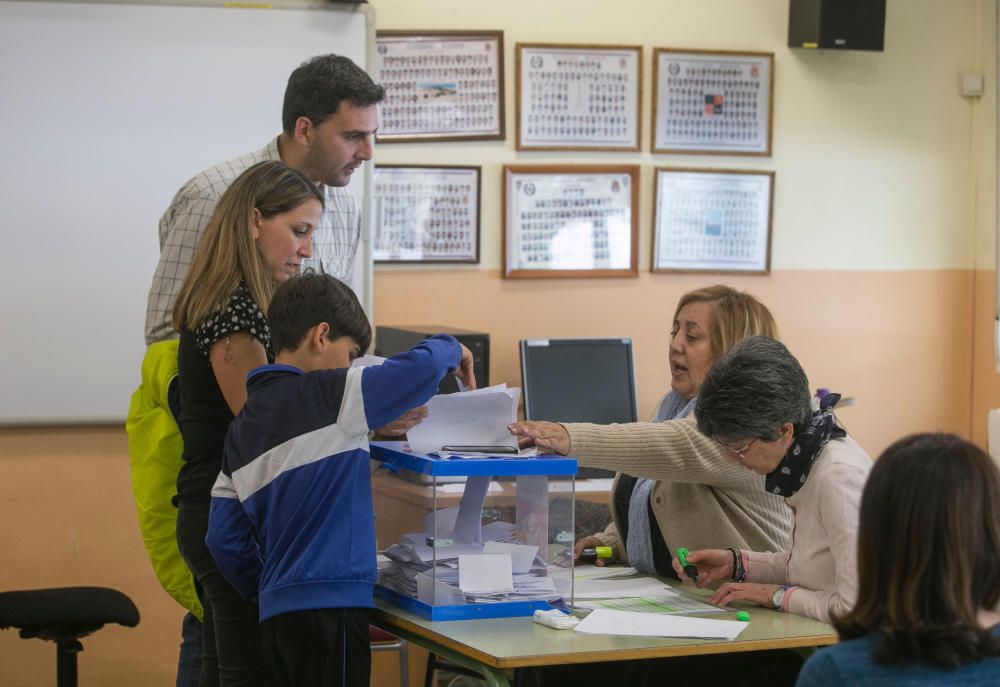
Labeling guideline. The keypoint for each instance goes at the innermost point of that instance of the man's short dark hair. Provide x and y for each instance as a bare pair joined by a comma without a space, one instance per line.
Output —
752,391
318,86
305,301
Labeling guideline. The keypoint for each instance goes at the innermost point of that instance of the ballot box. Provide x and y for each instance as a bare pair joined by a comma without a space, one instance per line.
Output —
478,537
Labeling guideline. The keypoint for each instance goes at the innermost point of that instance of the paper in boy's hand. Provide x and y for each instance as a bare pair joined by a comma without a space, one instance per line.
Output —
466,418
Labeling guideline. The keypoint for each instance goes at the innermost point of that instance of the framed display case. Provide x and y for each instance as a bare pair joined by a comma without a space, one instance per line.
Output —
712,102
440,85
426,214
578,97
571,220
712,220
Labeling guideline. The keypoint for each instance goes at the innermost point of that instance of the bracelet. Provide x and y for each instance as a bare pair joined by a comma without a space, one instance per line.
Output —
739,572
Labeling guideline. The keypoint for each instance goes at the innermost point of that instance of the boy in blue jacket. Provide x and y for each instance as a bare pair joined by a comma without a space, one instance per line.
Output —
291,519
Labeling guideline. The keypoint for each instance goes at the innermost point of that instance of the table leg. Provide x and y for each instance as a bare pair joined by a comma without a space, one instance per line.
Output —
494,677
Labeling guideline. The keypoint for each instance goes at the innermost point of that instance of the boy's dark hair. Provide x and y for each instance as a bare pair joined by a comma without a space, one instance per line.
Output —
318,86
305,301
928,554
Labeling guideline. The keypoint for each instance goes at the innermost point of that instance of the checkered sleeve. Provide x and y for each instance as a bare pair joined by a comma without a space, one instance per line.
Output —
180,228
335,244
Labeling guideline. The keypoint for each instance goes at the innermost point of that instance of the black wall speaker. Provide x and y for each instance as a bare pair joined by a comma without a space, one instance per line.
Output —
837,24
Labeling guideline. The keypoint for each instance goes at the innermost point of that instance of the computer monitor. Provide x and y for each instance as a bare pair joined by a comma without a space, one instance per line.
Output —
579,380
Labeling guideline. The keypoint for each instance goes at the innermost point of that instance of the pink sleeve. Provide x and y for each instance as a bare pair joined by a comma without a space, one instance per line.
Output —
767,568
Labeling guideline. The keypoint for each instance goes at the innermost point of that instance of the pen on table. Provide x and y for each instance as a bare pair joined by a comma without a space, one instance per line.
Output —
690,569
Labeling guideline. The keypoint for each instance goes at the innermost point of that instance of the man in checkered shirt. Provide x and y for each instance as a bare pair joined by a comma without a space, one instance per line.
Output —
329,117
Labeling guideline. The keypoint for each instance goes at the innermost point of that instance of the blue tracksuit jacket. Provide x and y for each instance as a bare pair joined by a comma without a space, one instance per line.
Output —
291,517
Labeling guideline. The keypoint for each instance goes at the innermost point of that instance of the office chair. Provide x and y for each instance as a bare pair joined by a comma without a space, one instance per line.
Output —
63,616
381,640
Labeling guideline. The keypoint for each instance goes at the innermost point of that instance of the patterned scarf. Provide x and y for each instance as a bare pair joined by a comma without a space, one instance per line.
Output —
794,468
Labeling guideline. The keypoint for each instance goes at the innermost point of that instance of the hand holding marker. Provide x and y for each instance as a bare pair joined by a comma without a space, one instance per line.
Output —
690,569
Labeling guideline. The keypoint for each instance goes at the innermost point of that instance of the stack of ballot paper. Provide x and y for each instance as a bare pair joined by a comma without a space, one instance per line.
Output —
625,590
466,573
468,418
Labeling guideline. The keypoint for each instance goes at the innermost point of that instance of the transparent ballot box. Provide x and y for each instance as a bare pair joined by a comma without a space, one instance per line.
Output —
485,537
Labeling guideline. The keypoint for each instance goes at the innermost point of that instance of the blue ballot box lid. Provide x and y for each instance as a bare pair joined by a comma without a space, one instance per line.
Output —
395,455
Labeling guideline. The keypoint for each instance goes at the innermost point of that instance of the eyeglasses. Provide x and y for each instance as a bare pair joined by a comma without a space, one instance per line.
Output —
741,452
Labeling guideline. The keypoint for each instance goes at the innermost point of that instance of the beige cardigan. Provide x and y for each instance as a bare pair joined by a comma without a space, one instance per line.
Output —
822,560
700,500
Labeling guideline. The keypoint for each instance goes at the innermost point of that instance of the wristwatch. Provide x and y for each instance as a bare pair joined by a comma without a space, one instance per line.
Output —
779,596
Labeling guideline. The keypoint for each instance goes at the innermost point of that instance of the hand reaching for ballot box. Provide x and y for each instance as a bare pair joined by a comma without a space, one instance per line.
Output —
548,435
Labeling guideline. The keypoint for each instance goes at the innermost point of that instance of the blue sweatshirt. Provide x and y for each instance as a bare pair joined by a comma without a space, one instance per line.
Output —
851,663
291,519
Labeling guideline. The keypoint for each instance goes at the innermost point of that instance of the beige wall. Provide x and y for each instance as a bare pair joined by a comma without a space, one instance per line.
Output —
884,208
882,277
897,341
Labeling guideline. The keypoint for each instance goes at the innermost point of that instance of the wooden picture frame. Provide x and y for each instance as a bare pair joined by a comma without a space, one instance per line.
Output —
578,97
440,85
564,221
427,213
712,102
712,220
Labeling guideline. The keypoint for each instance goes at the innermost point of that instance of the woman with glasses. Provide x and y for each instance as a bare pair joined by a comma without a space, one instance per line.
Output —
755,404
675,487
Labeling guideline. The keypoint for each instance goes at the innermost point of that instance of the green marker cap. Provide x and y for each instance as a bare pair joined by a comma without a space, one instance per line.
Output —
742,615
682,556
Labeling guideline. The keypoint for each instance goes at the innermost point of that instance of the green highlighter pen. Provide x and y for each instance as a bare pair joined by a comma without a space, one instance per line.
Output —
690,569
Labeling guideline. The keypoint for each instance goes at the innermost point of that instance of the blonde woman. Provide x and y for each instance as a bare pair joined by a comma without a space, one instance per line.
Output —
679,492
259,235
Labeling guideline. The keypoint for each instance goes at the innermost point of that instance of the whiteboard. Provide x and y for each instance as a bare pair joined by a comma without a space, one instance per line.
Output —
106,109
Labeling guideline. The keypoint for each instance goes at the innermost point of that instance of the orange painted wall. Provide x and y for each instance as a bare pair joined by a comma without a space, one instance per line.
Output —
985,378
898,341
67,519
901,342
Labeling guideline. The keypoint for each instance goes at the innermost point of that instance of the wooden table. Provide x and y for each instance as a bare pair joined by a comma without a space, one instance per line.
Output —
490,646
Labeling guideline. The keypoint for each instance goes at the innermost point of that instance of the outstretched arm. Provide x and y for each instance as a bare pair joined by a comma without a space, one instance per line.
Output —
409,379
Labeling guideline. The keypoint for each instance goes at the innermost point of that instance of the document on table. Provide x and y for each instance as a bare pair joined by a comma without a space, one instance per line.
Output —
676,604
617,588
623,589
467,418
629,624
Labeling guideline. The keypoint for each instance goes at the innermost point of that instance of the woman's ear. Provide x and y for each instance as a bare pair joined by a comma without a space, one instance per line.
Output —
787,432
256,218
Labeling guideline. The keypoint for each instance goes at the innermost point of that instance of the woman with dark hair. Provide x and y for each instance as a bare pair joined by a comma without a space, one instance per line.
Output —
928,573
755,403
